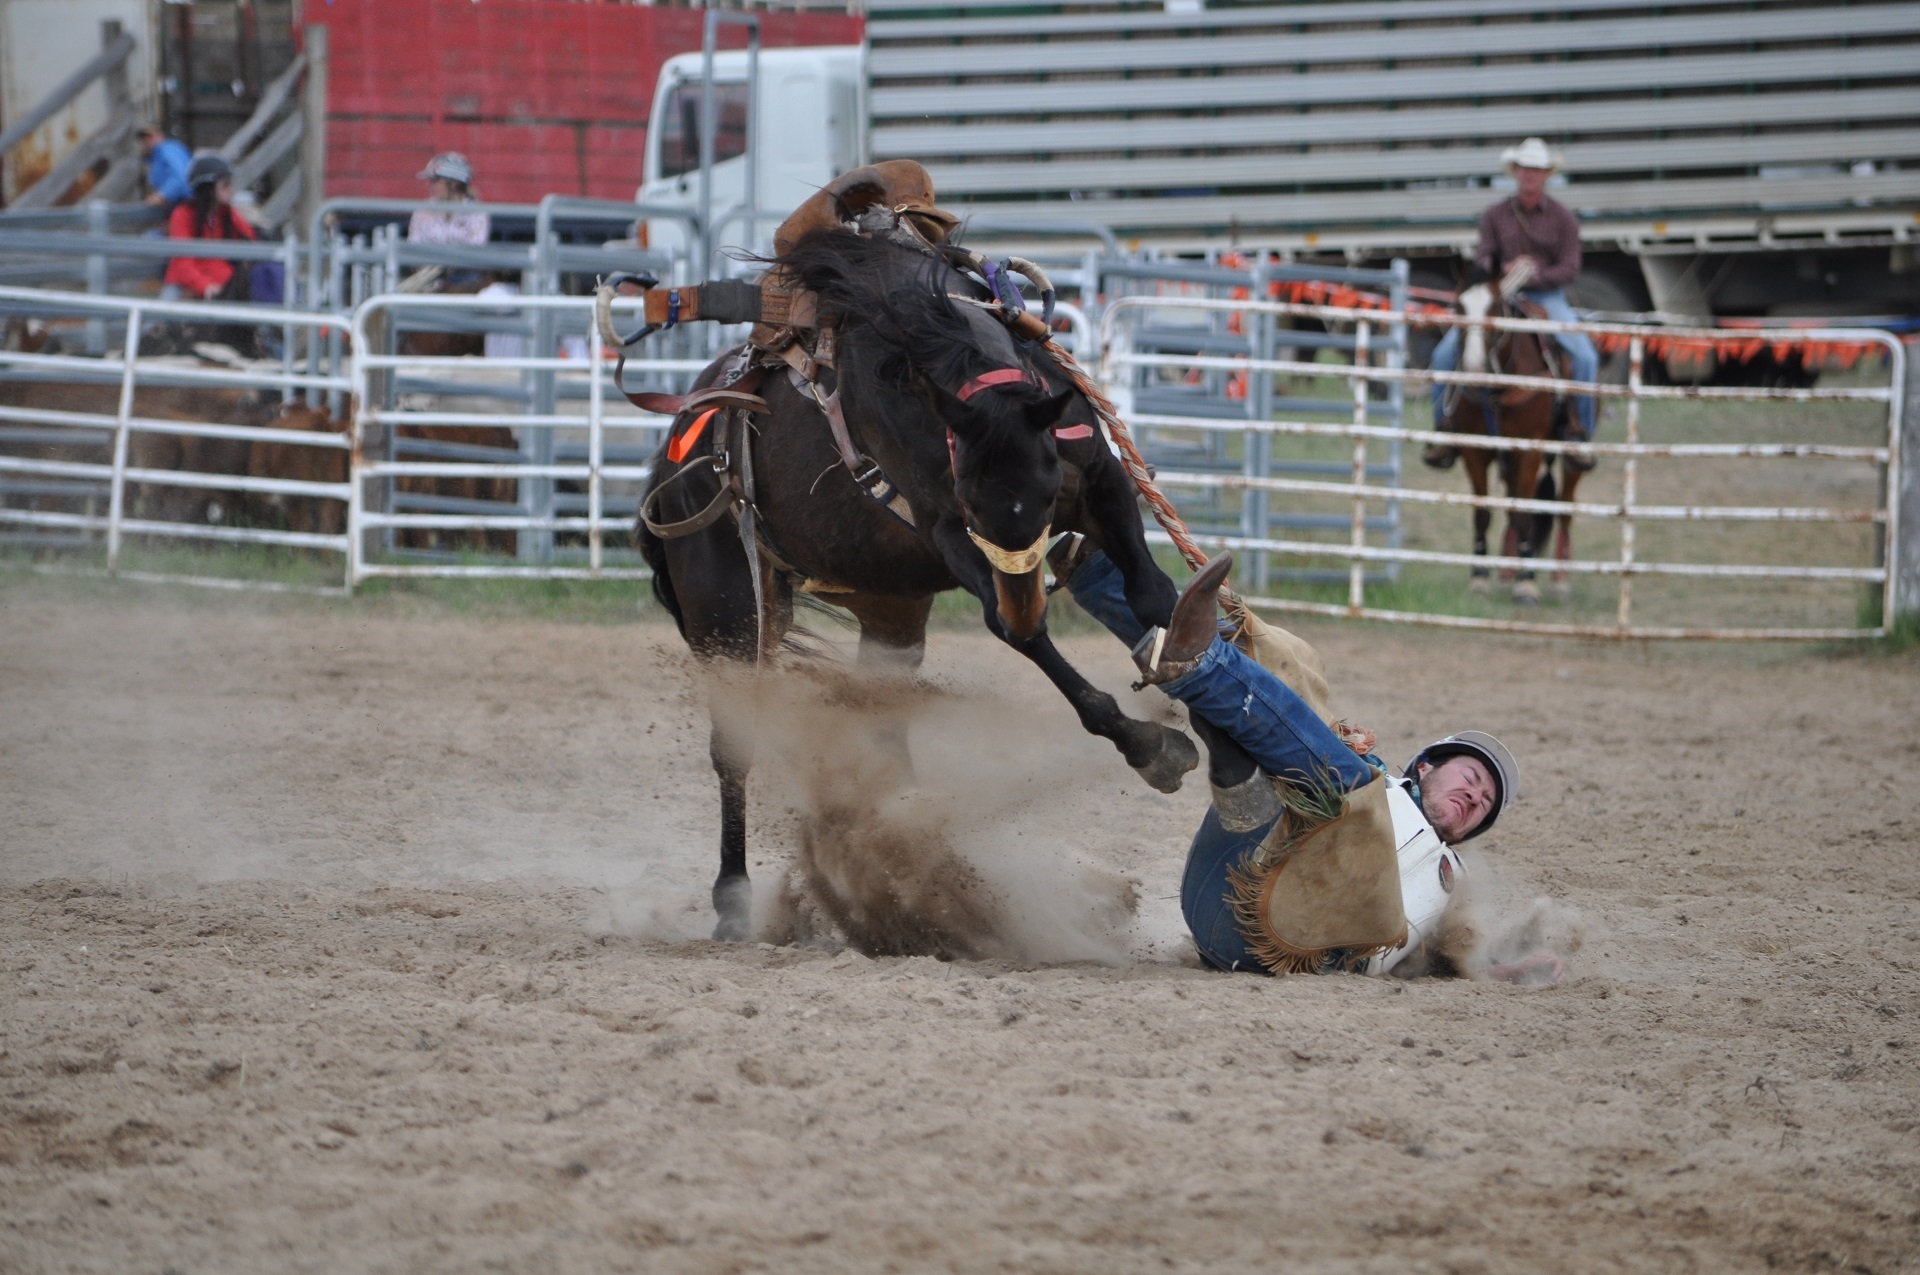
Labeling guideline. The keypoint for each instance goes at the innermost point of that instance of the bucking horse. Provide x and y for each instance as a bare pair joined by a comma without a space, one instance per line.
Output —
898,426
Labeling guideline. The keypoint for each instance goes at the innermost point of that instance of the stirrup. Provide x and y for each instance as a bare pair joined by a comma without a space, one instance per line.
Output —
1149,657
1069,553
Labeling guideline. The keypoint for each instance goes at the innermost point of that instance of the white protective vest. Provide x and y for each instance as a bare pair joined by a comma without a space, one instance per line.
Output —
1430,871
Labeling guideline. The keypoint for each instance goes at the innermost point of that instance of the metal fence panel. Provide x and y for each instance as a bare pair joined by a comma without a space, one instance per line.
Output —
80,478
1122,358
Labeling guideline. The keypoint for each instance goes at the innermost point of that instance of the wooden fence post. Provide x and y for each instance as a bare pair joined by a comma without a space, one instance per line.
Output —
313,136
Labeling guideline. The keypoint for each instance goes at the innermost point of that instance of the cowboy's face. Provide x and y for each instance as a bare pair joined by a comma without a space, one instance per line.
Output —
1532,183
148,140
1456,795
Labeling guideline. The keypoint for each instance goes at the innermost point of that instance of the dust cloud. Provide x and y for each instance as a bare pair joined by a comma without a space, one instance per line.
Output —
919,828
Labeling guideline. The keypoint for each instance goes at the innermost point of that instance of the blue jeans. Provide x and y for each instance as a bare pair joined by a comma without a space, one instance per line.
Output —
1284,737
1264,716
1582,358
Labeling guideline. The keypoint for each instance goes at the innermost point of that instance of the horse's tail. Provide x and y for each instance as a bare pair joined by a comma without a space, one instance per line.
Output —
654,550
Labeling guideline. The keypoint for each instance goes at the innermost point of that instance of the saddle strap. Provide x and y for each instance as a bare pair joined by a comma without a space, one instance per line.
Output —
866,472
714,511
712,396
736,388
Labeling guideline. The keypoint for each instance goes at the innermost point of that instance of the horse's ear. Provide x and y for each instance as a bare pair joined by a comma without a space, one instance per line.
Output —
1046,413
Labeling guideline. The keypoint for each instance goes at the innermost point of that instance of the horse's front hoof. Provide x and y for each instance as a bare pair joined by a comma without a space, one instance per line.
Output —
1169,766
733,901
1480,586
1526,593
1563,590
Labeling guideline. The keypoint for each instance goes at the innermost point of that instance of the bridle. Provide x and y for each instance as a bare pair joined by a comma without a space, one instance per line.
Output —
1011,562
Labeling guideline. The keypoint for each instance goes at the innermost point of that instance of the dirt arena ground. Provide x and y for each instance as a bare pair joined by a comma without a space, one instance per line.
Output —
334,939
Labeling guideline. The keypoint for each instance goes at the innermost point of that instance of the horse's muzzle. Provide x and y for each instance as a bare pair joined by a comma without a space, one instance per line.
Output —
1021,602
1019,586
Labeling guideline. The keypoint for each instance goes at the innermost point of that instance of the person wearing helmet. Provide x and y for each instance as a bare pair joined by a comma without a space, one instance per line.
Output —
1314,857
450,177
1529,226
207,213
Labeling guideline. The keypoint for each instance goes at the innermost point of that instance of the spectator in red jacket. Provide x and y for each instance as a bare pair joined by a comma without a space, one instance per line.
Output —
208,213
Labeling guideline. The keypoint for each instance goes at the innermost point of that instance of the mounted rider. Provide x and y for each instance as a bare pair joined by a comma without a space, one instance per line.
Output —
1529,226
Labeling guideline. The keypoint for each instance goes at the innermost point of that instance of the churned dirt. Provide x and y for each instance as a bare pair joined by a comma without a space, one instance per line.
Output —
335,940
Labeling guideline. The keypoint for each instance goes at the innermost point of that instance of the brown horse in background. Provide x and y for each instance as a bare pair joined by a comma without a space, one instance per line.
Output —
1514,412
496,438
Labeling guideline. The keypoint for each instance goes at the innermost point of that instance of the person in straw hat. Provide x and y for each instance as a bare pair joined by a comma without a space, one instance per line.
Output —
1315,857
1529,226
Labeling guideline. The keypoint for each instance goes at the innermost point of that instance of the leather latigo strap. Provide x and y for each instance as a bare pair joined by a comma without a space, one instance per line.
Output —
712,396
738,392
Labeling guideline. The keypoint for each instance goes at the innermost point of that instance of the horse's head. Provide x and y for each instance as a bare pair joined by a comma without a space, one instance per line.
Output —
913,336
1006,476
1476,303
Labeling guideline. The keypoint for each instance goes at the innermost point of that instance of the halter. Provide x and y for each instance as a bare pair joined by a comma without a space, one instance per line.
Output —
999,376
1013,562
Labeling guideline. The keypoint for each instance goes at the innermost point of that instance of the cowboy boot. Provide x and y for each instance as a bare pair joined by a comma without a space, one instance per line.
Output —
1164,654
1439,455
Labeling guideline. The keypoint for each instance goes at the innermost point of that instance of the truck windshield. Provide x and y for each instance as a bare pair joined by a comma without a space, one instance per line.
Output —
680,130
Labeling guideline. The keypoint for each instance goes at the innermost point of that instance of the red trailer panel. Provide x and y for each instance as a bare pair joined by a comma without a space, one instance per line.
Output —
543,96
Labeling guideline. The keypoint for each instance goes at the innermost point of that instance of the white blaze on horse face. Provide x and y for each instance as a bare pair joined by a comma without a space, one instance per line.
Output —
1474,303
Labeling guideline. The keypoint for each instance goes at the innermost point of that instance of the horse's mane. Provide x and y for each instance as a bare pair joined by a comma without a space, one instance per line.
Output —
897,295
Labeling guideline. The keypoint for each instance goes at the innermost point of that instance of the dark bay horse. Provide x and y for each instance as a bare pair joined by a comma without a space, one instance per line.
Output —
989,446
1516,412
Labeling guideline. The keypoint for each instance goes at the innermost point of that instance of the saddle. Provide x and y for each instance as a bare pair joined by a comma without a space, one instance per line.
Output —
895,196
1550,351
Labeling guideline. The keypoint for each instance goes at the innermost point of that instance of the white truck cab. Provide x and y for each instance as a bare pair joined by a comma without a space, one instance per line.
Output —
806,131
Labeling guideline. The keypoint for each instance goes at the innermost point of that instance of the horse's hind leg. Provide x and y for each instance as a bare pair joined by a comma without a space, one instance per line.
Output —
893,642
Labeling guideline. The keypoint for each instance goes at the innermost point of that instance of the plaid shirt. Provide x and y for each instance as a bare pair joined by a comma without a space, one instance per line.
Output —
1550,234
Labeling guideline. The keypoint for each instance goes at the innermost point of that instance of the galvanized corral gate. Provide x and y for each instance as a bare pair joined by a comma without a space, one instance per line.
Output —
1631,513
554,490
93,450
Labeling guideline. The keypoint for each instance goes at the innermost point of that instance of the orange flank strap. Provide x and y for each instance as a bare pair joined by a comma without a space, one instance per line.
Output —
683,441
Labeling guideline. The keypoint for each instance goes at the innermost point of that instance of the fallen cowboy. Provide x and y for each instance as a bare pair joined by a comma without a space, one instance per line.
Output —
1314,858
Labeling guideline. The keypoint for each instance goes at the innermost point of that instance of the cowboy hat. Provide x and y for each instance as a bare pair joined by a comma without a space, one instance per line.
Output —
1532,153
451,165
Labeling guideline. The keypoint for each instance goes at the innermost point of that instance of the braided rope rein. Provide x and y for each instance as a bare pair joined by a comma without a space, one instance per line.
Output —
1163,511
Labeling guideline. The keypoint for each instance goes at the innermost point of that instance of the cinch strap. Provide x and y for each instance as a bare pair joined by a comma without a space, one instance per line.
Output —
987,380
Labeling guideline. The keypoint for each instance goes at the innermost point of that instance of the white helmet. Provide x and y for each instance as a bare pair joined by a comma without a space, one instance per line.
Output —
1499,762
451,165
